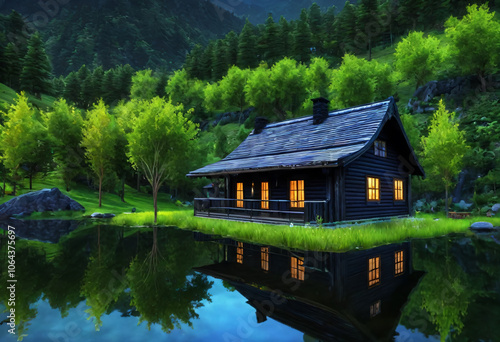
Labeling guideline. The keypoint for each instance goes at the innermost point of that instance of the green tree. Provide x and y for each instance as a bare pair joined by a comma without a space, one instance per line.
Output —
160,143
258,90
231,42
36,73
232,87
418,58
213,97
345,27
471,41
13,66
64,124
315,20
219,60
444,149
143,85
247,47
367,15
189,92
72,89
359,81
23,140
99,139
270,42
302,39
285,41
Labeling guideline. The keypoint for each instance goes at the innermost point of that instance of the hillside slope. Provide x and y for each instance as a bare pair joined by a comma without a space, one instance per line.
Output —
148,34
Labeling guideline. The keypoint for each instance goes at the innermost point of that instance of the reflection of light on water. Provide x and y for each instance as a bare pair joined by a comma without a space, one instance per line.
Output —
412,335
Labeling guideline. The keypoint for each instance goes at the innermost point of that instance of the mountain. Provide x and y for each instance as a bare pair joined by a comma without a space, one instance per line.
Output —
152,34
257,10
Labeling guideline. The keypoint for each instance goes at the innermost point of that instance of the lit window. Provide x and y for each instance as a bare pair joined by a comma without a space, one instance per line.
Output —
297,194
399,266
264,195
375,309
380,149
297,268
239,253
264,258
373,189
398,190
239,195
373,271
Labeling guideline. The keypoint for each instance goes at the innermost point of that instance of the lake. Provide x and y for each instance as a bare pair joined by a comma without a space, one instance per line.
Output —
77,282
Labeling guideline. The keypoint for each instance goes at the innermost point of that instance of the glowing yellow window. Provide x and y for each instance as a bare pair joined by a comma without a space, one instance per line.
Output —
239,195
297,194
264,258
398,190
373,271
399,266
373,188
264,204
380,149
239,253
297,268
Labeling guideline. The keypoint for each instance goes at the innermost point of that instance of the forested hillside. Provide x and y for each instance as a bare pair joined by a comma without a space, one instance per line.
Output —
144,34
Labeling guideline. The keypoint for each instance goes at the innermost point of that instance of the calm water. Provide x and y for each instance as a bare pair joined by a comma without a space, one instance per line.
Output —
113,284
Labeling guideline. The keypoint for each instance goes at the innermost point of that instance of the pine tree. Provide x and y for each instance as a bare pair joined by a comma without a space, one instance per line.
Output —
13,66
316,25
231,48
271,41
330,44
193,62
367,15
219,64
206,62
35,76
247,56
302,39
285,37
72,89
345,27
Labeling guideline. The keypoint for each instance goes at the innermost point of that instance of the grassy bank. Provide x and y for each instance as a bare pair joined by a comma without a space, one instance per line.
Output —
89,198
342,239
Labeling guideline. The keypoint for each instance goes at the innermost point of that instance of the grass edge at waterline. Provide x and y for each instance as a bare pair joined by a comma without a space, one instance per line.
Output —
309,238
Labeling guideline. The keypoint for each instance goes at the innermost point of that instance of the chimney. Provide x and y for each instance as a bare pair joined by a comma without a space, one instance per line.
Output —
320,110
260,124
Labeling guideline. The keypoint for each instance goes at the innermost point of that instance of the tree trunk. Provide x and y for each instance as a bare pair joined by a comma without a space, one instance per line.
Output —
369,49
446,201
100,188
3,186
138,181
31,181
155,201
483,82
123,189
14,190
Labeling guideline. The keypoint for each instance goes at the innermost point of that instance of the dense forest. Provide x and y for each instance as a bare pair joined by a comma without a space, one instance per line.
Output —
108,112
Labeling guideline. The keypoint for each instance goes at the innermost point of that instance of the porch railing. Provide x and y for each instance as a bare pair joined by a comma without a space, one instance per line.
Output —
251,209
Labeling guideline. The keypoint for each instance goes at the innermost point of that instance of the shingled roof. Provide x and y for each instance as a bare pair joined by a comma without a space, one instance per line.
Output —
298,143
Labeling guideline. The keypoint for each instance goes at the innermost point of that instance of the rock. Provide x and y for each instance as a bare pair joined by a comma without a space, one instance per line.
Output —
463,205
49,231
134,210
481,226
40,201
495,207
102,216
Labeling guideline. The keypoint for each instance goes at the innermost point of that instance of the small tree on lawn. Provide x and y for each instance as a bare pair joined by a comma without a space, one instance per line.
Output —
444,149
161,140
99,139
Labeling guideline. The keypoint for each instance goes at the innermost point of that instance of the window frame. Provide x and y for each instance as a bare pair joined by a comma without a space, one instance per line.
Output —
395,190
399,262
264,195
376,280
377,188
299,200
297,270
376,308
239,252
239,201
380,148
264,258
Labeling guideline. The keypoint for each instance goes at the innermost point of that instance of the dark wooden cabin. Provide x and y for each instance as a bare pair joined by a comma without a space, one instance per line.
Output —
353,296
345,165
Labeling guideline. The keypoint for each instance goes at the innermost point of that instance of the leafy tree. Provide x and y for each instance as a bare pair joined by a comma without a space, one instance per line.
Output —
23,140
99,140
213,97
444,149
190,93
257,90
143,85
358,81
64,124
471,41
302,39
160,142
418,58
36,73
232,87
247,47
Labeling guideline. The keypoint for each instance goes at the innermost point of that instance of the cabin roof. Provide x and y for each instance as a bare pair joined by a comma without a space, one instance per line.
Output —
298,143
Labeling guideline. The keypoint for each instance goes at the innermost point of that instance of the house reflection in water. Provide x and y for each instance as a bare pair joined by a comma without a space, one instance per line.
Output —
353,296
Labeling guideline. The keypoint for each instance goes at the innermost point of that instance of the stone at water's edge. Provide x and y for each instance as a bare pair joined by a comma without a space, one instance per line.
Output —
40,201
479,226
100,215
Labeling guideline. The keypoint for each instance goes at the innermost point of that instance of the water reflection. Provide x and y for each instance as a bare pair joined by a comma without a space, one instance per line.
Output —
446,288
354,296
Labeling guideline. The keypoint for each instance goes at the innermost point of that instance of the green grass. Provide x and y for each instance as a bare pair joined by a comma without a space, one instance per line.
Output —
89,198
8,96
311,238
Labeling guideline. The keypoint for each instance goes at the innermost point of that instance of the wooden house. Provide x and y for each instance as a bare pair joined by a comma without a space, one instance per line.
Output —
352,296
344,165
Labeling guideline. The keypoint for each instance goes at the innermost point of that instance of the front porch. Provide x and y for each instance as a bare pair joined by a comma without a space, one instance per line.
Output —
251,210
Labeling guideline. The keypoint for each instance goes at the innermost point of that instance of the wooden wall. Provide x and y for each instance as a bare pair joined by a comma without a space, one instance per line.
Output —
356,205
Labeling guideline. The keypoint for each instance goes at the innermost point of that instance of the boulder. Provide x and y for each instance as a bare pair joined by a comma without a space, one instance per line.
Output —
495,207
49,231
40,201
482,226
100,215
